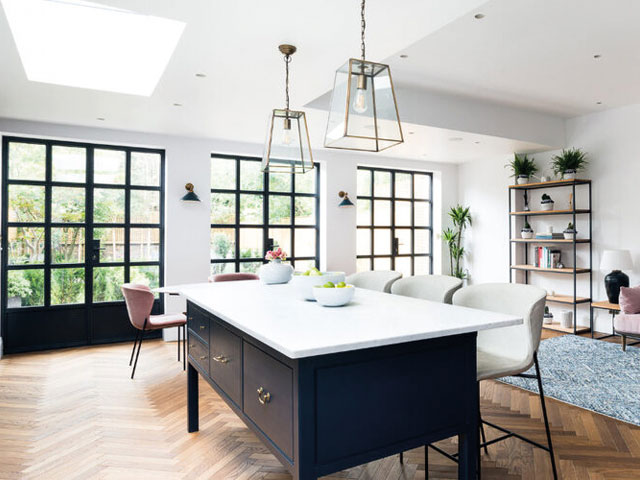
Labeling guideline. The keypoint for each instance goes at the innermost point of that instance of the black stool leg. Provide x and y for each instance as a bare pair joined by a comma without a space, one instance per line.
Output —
544,414
178,343
426,462
134,346
401,457
184,347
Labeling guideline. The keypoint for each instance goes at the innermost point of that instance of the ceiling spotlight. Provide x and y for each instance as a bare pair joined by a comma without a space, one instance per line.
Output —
597,56
598,103
201,75
479,16
100,118
477,142
177,104
404,55
411,133
456,139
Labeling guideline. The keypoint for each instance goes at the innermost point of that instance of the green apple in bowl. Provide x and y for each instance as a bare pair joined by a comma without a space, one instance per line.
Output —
304,283
333,296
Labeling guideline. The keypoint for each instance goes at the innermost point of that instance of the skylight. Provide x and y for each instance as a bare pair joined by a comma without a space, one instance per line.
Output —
88,45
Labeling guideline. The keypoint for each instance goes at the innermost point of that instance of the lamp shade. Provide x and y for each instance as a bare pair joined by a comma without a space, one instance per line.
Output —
363,114
287,148
616,260
190,196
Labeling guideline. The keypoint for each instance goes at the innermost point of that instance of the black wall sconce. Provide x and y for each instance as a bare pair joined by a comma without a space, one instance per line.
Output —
190,196
346,202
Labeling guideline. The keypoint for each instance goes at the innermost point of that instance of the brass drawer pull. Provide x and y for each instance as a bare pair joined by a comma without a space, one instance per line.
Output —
192,345
190,318
263,397
203,357
221,359
202,327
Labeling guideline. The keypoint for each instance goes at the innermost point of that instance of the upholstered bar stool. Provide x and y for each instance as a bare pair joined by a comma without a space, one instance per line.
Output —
437,288
380,281
232,277
139,300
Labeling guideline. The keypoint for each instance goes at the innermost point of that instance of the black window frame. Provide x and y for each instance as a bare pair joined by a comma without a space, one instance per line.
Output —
88,185
392,227
266,193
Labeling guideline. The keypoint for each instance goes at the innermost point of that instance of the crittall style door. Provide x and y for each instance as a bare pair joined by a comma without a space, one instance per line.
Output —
78,221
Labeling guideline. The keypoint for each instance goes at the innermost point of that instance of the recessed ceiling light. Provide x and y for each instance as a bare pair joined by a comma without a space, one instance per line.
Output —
100,118
177,104
598,103
479,16
411,133
404,55
201,75
456,139
81,44
597,56
477,142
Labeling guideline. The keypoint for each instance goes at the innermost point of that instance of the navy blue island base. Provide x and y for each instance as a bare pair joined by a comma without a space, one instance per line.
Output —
322,414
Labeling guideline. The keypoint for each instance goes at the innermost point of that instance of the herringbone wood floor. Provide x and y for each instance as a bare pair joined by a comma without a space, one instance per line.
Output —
74,414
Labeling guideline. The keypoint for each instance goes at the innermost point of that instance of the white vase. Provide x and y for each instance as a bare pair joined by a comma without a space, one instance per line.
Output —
569,175
275,272
547,206
526,234
522,179
566,318
569,236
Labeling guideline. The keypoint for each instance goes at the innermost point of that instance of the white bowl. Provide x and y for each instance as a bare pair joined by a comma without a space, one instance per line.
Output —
333,297
304,283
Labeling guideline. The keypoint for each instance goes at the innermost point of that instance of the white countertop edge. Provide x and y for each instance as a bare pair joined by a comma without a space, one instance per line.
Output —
339,348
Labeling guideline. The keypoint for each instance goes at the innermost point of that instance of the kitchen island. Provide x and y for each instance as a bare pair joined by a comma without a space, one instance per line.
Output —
326,389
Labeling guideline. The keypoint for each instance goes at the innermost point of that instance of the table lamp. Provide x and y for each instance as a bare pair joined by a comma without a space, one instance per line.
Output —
616,261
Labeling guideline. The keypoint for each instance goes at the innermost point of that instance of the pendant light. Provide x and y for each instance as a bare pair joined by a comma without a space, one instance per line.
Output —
287,149
363,113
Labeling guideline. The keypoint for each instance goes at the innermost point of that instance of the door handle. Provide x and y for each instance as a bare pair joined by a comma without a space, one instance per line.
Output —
221,359
264,397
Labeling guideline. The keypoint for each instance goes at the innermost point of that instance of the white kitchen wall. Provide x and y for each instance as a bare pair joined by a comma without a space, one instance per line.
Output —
611,140
187,225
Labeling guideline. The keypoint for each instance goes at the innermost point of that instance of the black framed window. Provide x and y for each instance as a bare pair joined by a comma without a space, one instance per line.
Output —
252,212
79,220
394,217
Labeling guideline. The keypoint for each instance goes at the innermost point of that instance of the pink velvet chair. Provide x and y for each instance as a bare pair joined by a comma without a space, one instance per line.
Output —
232,277
139,300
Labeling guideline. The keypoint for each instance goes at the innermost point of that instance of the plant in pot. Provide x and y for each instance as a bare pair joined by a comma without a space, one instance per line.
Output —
548,316
570,232
461,219
546,203
527,231
569,162
275,271
17,289
522,168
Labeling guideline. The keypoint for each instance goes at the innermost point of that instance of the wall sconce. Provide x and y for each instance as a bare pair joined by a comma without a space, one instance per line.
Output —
190,196
346,202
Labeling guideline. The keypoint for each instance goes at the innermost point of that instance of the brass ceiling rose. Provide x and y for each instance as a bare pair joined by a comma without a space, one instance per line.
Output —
287,49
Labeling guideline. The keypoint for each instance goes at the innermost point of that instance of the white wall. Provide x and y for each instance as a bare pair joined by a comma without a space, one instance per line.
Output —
187,225
611,140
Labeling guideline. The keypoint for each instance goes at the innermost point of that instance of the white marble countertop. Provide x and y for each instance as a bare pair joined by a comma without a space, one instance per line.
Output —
276,316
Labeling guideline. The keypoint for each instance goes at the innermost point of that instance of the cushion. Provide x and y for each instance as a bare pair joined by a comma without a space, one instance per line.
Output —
627,323
630,300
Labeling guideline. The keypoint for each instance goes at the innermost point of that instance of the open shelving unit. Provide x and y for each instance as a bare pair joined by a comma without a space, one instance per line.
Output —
576,271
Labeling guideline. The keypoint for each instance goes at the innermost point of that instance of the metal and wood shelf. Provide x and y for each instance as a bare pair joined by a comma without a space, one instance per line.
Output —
565,299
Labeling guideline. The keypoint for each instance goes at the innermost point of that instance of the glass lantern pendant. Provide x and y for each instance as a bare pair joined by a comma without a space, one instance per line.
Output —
287,148
363,113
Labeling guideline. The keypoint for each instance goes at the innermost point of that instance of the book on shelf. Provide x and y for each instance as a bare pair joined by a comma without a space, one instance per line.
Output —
545,257
550,236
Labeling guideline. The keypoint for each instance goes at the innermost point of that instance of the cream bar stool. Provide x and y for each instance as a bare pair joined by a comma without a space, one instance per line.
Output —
380,281
437,288
509,351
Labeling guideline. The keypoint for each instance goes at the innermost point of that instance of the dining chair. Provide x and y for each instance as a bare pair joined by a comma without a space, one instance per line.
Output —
139,300
232,277
508,351
380,281
437,288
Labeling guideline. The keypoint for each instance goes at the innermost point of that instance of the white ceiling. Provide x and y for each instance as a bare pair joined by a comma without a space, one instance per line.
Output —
534,54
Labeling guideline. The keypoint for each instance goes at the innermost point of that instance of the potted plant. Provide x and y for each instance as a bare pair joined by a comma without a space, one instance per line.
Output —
569,162
527,231
548,316
17,289
546,203
522,168
275,271
570,232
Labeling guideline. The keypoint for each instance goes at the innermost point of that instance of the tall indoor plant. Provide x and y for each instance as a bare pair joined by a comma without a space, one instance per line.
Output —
569,162
522,168
461,218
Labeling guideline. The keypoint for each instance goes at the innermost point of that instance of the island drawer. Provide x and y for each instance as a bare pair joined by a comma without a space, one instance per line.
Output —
268,396
199,352
198,323
226,361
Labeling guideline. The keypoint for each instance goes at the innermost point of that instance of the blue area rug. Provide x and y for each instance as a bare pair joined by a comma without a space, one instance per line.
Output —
590,374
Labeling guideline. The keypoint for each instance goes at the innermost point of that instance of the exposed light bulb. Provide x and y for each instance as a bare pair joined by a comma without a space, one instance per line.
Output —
286,132
360,102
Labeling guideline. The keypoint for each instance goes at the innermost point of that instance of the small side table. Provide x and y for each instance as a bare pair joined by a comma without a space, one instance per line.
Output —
613,308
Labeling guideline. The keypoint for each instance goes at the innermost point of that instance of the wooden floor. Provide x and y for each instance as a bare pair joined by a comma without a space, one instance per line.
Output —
75,414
